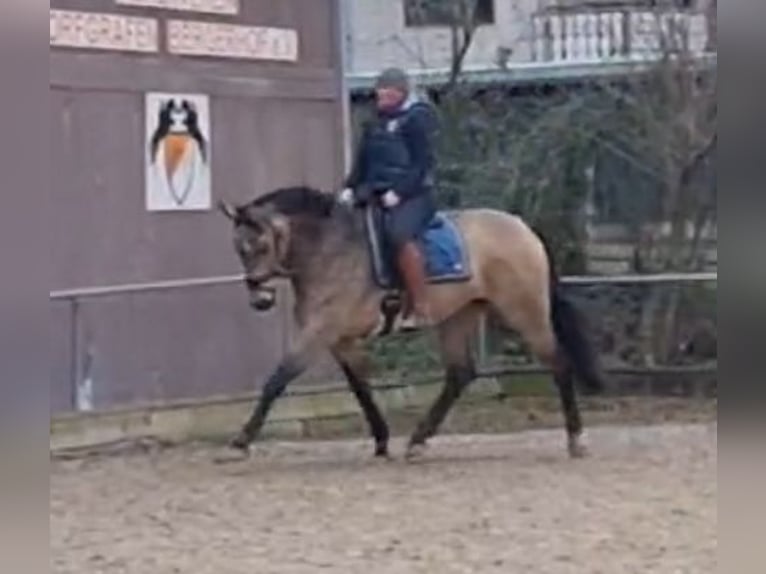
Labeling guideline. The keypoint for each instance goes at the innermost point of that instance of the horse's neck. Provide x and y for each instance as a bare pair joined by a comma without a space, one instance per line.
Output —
319,244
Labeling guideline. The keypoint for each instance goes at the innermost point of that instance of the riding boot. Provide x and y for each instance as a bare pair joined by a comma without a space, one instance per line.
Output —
412,268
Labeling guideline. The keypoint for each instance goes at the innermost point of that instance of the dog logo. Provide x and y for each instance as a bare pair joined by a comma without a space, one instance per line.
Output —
177,145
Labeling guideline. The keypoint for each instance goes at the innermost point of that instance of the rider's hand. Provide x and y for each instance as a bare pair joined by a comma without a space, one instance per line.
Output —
390,199
346,196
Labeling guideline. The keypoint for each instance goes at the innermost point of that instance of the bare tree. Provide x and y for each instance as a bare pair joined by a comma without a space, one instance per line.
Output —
536,154
671,113
460,16
462,32
661,118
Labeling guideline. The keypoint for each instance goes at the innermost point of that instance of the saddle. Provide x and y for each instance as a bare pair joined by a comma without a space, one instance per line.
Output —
444,253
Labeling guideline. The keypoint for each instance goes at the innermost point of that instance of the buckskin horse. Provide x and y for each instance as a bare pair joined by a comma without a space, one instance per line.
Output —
329,254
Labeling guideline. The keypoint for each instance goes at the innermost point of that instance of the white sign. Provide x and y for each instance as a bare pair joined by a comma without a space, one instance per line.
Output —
99,31
203,6
191,38
177,152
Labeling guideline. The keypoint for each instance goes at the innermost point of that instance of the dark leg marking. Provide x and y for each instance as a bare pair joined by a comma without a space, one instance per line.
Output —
363,393
565,382
457,379
289,369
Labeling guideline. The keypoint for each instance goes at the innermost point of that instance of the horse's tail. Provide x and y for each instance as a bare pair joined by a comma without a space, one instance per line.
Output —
571,329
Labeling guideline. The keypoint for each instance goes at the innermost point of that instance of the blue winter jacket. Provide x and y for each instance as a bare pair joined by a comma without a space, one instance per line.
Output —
396,152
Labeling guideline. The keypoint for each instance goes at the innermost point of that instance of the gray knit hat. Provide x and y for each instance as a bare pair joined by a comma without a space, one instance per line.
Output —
394,78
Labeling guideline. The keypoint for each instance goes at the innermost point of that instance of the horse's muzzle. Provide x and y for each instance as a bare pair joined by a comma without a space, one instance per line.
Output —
262,298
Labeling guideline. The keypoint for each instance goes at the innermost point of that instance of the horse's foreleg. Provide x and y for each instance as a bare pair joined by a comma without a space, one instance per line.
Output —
289,368
353,362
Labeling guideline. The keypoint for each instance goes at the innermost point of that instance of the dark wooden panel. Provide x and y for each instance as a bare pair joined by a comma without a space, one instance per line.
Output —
60,329
177,345
257,146
124,73
272,125
324,161
312,19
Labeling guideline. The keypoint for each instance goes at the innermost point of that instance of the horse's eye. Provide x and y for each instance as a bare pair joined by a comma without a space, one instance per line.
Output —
245,250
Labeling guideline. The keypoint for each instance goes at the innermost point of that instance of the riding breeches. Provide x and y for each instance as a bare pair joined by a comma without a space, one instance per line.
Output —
408,220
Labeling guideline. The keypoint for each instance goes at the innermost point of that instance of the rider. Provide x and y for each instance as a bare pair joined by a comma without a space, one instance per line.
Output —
394,166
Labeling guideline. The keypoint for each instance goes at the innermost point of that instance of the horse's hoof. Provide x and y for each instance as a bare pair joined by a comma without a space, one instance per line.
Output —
237,451
382,459
415,452
241,443
577,449
381,452
232,456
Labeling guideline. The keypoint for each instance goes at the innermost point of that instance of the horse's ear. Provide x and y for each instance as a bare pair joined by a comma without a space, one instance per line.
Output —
229,210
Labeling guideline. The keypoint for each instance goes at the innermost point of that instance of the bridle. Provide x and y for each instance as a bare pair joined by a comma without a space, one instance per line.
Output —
278,269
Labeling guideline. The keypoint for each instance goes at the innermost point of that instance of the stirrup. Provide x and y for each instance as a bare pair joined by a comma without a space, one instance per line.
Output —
413,322
390,309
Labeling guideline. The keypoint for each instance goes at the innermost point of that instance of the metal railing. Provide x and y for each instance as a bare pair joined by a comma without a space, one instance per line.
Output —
585,280
590,35
74,298
128,289
658,278
177,284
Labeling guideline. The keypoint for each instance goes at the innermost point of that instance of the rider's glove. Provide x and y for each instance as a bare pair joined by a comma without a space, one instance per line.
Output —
390,199
346,196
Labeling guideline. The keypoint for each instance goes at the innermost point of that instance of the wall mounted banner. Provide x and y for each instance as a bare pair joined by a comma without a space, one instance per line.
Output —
97,31
216,40
177,152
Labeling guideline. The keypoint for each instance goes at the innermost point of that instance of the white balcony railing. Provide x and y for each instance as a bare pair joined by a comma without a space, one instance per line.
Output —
598,36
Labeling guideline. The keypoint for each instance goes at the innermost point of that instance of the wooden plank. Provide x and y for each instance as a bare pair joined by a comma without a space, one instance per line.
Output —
229,7
209,39
97,72
100,31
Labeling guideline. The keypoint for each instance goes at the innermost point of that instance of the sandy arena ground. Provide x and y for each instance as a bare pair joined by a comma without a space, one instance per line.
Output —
645,502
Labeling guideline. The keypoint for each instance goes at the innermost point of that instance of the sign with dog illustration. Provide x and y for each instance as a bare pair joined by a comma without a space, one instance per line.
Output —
177,152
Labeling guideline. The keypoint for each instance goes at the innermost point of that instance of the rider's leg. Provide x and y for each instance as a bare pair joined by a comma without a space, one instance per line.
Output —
405,224
412,268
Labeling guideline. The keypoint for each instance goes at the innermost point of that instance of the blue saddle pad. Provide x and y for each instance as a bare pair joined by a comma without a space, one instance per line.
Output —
442,245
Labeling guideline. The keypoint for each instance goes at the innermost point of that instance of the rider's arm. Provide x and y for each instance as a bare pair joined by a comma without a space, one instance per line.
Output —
418,135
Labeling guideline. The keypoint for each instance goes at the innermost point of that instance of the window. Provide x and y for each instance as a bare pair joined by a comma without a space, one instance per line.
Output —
420,13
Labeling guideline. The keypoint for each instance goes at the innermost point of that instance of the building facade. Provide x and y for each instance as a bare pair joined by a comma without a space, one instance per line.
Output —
160,108
535,36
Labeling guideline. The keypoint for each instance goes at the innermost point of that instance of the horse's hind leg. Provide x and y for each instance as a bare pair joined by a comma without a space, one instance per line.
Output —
532,321
455,340
564,378
355,365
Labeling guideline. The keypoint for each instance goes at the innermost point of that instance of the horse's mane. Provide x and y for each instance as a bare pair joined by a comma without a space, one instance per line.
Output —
317,209
299,200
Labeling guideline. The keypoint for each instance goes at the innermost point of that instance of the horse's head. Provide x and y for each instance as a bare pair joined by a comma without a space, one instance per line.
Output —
260,239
